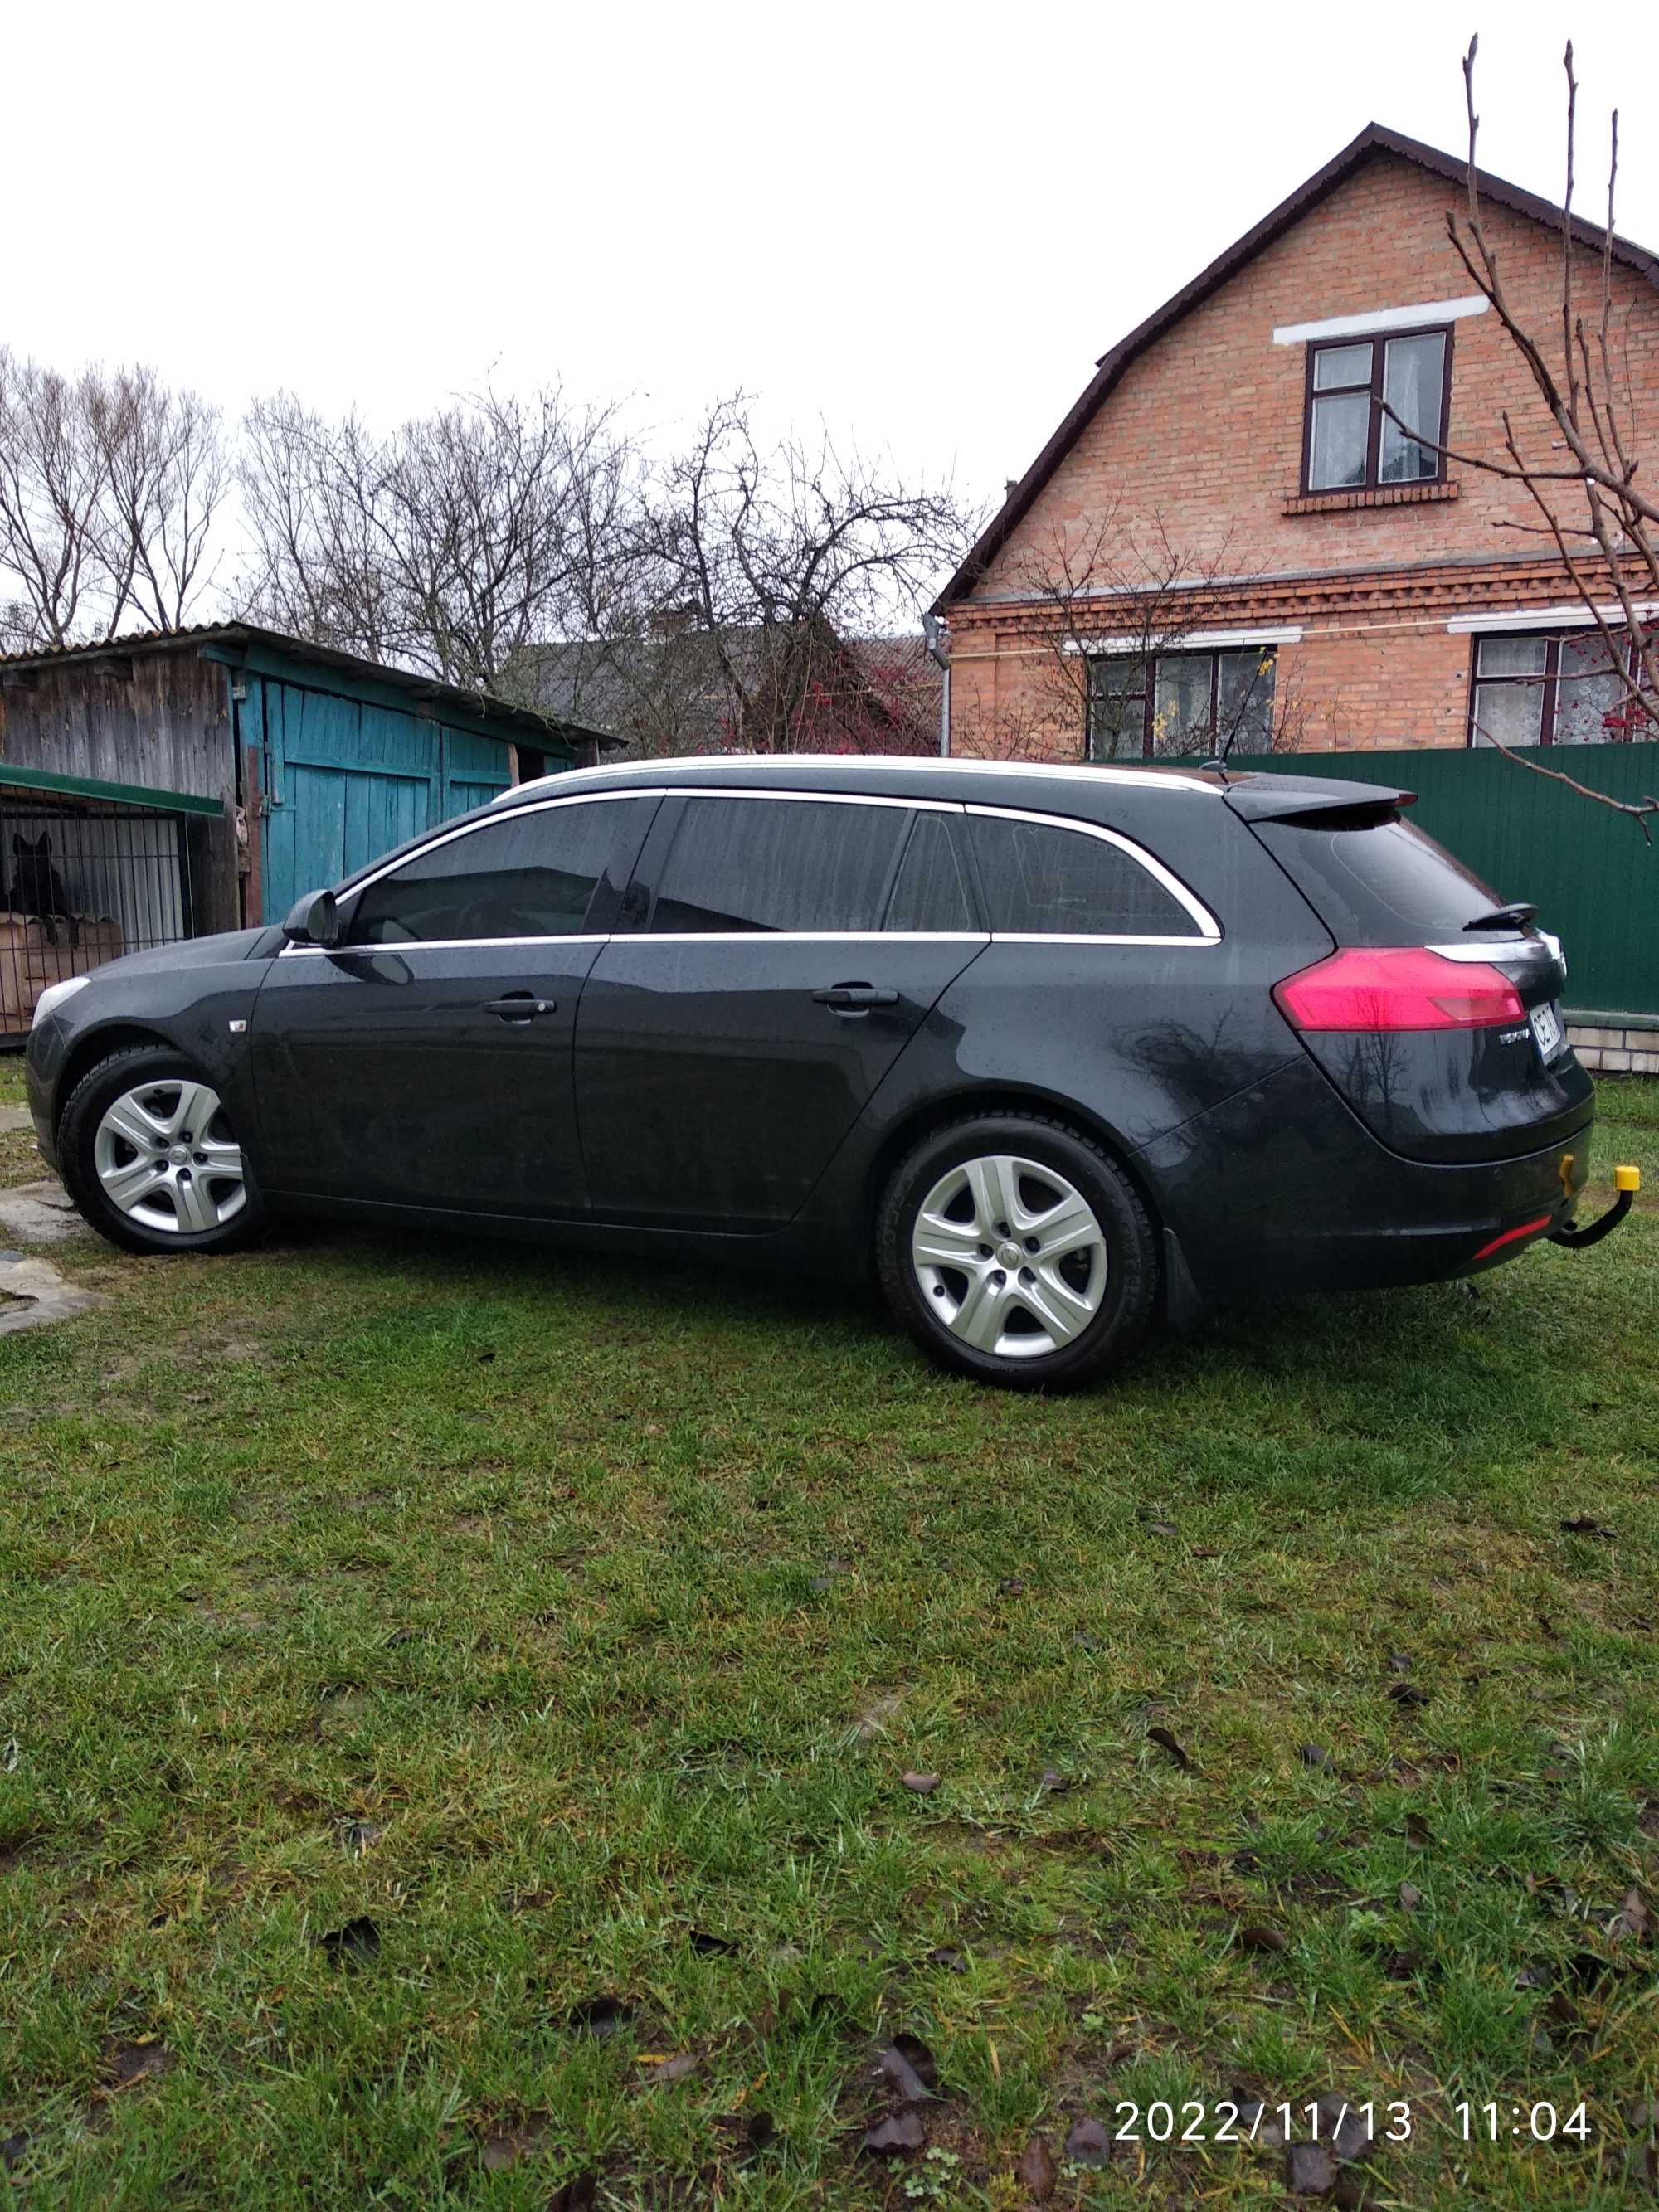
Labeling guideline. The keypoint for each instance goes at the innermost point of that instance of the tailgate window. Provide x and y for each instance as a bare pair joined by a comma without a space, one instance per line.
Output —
1376,880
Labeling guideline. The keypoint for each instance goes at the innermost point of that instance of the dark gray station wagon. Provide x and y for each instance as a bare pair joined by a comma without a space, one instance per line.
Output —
1053,1051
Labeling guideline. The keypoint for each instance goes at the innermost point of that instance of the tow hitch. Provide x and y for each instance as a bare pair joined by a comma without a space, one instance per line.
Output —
1626,1182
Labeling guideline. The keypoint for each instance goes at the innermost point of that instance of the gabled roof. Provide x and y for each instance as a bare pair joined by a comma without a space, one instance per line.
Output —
528,721
1373,139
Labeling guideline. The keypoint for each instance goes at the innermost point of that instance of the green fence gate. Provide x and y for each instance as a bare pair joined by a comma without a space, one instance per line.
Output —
1590,872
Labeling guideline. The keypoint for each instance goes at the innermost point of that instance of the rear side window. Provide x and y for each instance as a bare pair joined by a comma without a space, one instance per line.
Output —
1046,880
528,874
777,864
1374,882
929,892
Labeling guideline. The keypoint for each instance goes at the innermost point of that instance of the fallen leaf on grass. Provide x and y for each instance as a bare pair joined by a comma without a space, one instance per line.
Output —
1310,2169
144,2058
909,2069
1052,1784
1410,1896
674,2068
900,2131
1399,1663
599,2016
1262,1939
1087,2144
953,1962
1586,1524
1648,1819
1631,1919
747,2132
1408,1695
504,2146
1162,1528
1403,1965
1314,1754
712,1947
1011,1586
1165,1741
1419,1834
920,1785
1036,2171
354,1944
579,2194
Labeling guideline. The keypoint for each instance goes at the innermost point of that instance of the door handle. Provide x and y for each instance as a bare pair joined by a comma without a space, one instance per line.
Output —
520,1007
854,997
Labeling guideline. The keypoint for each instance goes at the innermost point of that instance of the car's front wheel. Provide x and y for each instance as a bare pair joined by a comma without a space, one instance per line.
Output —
1013,1248
151,1160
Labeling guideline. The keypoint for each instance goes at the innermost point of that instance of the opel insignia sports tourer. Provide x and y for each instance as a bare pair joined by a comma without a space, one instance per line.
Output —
1054,1052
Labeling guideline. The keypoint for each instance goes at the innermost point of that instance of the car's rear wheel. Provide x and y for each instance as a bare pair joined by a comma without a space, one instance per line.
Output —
151,1160
1014,1250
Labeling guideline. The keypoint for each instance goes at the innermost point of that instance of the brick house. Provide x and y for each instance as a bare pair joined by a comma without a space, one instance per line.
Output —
1227,538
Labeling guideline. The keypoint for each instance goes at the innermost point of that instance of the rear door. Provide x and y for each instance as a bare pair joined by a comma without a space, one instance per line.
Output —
427,1061
781,950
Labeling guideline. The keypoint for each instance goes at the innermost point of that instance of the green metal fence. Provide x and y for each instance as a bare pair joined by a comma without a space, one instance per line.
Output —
1590,872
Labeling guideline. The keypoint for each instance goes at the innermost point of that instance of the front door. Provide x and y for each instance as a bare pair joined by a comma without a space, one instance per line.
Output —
785,951
427,1061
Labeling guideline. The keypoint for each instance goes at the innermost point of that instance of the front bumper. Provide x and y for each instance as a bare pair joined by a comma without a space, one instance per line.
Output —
43,1057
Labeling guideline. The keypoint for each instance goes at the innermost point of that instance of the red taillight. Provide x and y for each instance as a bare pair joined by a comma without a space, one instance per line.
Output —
1403,987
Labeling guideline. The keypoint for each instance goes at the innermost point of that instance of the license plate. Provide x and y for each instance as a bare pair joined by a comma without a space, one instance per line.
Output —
1546,1028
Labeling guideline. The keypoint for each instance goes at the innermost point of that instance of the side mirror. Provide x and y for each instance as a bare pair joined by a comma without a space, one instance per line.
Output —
314,920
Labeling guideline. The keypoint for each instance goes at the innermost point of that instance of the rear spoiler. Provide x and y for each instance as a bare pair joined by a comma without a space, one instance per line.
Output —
1316,800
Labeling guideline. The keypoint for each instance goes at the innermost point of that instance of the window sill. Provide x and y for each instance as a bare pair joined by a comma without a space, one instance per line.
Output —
1343,502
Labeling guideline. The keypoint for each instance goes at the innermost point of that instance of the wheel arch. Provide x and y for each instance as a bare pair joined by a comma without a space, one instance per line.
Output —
102,1044
999,1099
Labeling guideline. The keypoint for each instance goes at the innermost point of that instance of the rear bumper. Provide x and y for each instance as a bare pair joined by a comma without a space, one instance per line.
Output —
1282,1189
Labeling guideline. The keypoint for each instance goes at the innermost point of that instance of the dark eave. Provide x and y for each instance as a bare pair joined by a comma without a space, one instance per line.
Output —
1373,139
227,638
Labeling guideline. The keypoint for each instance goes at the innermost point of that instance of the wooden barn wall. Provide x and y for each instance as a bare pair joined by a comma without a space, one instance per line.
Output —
160,720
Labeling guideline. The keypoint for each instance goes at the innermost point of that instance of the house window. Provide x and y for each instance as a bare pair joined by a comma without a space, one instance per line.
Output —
1143,706
1548,691
1351,443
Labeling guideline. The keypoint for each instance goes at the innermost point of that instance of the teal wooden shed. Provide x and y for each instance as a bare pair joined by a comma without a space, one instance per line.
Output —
285,764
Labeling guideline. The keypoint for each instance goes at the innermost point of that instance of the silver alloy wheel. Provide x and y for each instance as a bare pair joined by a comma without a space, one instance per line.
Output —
166,1157
1010,1256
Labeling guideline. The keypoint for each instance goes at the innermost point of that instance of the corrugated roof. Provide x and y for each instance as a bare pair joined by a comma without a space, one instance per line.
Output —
1375,138
196,635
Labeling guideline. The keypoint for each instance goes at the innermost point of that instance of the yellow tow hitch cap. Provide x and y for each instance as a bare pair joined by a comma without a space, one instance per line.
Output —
1628,1178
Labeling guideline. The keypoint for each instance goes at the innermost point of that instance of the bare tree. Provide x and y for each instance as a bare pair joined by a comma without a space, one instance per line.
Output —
448,547
766,568
1582,487
109,487
1109,609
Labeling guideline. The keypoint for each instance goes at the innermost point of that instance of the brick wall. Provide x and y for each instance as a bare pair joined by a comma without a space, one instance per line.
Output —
1200,446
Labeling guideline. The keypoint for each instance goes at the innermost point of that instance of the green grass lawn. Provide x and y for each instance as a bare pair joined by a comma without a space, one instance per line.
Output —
549,1630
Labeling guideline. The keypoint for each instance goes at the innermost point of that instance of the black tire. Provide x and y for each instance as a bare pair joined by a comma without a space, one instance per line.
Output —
1124,1301
141,1068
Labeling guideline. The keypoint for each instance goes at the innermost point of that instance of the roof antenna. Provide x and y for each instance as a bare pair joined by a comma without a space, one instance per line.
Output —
1218,765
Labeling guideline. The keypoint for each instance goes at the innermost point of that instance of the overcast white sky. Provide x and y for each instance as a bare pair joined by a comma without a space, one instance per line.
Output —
920,223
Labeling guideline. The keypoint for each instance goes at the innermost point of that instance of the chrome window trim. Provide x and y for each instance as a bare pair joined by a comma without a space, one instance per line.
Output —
803,936
433,945
1209,929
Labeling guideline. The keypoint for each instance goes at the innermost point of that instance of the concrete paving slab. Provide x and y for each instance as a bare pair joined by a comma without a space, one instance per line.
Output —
38,1213
14,1117
32,1293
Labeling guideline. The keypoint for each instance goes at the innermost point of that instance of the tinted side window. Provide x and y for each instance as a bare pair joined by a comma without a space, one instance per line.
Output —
1045,881
1378,883
928,892
528,875
748,863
